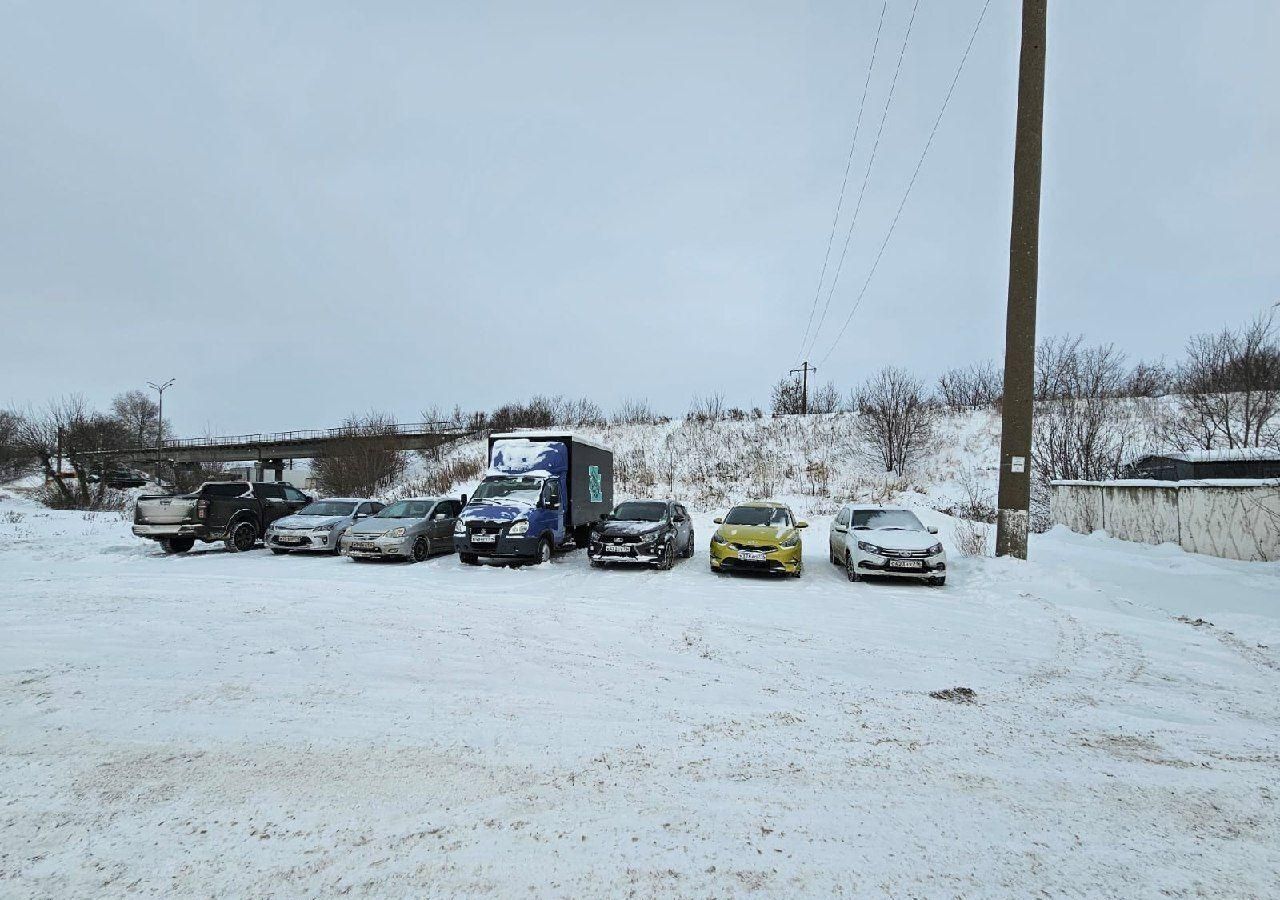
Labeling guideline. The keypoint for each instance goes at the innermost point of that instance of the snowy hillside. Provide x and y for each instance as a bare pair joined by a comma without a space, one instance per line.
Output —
815,463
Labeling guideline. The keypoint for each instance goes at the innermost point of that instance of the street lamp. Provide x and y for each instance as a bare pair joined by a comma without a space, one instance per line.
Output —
160,389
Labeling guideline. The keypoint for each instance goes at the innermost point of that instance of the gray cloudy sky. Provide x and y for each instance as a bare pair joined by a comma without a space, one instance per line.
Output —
304,209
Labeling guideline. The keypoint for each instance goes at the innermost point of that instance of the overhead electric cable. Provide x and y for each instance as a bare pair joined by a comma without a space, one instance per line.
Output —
866,177
857,127
910,184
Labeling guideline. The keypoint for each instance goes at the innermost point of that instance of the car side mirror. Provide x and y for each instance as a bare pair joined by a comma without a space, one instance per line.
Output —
933,529
677,518
840,528
802,524
358,516
718,520
605,517
440,515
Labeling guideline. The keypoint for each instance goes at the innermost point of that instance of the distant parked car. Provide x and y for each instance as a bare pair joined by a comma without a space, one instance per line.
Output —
886,540
234,512
319,526
407,529
758,537
653,532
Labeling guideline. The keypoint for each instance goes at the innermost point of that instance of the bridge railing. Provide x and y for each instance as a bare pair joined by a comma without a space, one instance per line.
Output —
282,437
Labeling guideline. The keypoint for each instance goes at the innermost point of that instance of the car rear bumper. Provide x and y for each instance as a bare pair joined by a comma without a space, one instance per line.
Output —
160,532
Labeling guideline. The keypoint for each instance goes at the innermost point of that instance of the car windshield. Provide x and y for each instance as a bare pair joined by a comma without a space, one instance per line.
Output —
327,508
640,512
511,487
407,509
886,518
758,515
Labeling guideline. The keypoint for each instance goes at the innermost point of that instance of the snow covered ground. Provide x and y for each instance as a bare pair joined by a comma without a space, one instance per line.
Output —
249,725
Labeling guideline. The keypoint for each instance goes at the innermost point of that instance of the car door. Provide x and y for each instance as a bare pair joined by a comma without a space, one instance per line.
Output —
551,501
274,506
839,534
442,520
683,526
294,497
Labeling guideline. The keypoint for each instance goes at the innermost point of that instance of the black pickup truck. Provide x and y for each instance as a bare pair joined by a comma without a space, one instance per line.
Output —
234,512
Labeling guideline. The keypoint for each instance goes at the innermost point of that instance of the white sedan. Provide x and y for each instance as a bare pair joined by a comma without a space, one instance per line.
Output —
868,539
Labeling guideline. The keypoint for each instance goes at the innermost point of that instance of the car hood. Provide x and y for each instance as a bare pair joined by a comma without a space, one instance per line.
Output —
375,525
495,510
627,528
296,521
756,534
897,539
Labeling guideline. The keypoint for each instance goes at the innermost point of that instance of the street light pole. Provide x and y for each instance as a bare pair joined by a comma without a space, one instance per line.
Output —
160,389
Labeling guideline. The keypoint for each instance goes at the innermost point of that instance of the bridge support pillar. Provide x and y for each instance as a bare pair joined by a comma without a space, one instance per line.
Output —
275,466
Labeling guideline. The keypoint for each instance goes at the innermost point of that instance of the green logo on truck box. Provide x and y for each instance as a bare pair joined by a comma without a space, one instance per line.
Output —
593,482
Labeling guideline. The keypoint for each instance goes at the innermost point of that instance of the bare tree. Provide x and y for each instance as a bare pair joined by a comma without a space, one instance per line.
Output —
1148,379
138,415
15,461
825,399
635,411
978,384
70,429
706,409
895,418
787,396
1229,387
363,461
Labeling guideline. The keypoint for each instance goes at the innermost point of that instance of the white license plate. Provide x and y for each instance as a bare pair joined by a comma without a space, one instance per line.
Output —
906,564
484,539
609,548
751,555
283,539
363,546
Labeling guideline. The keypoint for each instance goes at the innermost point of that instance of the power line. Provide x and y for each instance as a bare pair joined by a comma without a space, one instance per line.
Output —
866,177
845,181
910,184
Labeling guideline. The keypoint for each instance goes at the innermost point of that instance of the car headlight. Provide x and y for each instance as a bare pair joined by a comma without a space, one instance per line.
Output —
395,532
935,549
717,539
322,528
518,528
459,527
793,541
869,548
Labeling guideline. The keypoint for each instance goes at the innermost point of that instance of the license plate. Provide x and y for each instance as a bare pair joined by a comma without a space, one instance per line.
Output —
619,549
285,539
906,564
751,555
484,539
363,546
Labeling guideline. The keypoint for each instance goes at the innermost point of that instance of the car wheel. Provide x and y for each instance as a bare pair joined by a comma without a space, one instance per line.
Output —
177,545
242,537
469,559
938,582
799,571
421,550
597,564
850,567
668,558
544,551
688,548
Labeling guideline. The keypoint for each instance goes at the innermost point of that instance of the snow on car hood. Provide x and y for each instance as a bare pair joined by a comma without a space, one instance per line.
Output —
627,528
499,509
297,521
897,538
757,534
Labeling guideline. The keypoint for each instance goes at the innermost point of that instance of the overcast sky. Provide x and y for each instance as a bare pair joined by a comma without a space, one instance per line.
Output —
304,209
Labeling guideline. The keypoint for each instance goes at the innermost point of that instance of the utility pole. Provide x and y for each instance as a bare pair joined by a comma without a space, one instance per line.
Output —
1014,500
160,389
804,369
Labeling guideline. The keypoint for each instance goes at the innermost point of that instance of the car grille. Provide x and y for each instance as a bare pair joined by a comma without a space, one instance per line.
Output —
904,554
483,528
762,548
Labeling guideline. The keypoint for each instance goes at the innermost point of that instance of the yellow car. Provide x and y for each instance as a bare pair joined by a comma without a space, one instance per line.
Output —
760,536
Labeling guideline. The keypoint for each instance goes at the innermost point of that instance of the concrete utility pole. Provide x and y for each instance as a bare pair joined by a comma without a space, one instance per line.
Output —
804,368
160,388
1014,499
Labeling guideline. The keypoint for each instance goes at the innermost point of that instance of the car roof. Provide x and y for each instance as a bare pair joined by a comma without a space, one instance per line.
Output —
877,506
350,499
763,504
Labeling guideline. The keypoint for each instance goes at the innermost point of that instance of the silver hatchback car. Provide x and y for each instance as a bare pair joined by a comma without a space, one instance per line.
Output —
319,526
867,539
407,529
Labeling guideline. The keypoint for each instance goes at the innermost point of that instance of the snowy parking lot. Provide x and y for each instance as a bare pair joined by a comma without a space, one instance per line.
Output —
240,725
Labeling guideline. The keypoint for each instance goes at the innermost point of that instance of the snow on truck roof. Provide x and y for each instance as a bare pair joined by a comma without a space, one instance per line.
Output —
548,436
1238,454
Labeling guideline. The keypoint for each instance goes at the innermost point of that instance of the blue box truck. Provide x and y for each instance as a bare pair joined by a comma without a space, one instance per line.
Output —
542,491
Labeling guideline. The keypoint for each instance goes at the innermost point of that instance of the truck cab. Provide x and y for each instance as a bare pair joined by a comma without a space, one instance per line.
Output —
540,494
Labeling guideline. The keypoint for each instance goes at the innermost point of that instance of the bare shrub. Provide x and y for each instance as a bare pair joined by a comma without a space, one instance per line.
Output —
706,409
825,399
787,396
364,460
441,477
973,538
895,418
69,428
978,384
1229,384
1148,379
635,411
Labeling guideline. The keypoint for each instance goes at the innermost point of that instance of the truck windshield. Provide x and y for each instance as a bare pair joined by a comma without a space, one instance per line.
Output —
510,487
757,515
327,508
406,509
886,518
640,512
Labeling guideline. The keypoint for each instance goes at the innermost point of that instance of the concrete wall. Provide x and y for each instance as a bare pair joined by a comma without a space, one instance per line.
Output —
1237,519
